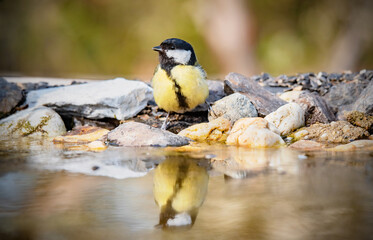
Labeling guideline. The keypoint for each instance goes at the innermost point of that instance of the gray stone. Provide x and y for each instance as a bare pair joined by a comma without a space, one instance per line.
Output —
233,107
264,101
10,96
315,107
40,121
118,98
134,134
365,101
343,94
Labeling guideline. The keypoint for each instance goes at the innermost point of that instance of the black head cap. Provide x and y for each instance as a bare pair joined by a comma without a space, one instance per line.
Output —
173,44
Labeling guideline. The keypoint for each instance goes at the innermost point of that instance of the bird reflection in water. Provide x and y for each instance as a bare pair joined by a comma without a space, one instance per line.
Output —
180,187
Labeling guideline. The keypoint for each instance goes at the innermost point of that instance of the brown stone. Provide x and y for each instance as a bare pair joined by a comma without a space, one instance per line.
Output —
360,119
334,132
316,108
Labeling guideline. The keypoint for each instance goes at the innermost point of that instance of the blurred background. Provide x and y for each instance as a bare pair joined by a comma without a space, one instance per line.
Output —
111,38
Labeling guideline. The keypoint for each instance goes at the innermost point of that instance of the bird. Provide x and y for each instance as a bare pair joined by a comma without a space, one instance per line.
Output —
180,187
179,82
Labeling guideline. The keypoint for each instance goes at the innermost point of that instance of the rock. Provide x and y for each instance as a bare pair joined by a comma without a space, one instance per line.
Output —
41,121
355,145
82,134
215,130
264,101
216,92
334,132
360,119
118,98
306,145
291,96
134,134
233,107
287,118
10,96
365,101
254,132
299,134
315,107
343,94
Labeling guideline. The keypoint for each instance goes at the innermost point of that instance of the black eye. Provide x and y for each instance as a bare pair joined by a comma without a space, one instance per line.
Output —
172,47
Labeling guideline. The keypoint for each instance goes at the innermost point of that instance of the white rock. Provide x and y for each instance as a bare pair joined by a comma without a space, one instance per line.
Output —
254,132
290,96
287,118
40,121
118,98
233,107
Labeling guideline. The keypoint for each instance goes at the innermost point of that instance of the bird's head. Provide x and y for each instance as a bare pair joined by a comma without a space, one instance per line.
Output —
174,51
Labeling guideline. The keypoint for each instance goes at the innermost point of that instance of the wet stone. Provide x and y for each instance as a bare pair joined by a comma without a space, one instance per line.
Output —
134,134
306,145
35,122
213,131
83,134
355,145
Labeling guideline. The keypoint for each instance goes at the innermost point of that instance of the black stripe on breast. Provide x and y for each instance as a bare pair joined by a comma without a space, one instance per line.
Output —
181,99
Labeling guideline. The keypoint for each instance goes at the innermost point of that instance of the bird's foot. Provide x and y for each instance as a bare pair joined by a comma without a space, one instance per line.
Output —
165,123
211,111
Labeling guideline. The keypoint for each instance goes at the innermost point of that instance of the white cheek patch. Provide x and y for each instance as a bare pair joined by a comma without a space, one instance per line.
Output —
179,56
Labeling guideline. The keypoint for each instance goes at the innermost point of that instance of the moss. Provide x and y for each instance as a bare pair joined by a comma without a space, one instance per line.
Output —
25,128
38,128
295,136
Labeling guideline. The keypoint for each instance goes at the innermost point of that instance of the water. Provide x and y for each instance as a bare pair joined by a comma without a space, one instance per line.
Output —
49,192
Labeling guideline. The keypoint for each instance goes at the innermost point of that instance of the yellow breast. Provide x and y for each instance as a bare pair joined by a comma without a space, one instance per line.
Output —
193,87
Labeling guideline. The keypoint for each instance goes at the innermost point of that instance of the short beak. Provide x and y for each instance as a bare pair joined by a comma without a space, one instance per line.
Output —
157,48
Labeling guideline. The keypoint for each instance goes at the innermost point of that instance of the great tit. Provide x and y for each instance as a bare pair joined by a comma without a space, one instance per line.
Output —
180,187
179,82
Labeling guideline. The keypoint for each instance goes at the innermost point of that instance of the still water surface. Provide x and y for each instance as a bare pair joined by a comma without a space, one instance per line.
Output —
49,192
